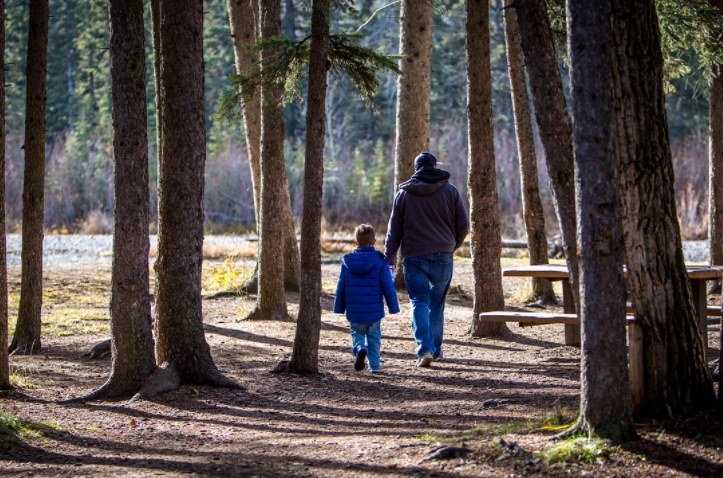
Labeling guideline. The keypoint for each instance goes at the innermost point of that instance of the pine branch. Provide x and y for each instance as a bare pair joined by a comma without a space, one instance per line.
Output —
284,64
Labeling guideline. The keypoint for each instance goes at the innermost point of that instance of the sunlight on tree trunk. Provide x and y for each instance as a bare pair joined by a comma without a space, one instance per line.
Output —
553,122
677,380
485,240
130,306
413,93
180,343
605,405
243,17
271,302
305,354
529,185
27,330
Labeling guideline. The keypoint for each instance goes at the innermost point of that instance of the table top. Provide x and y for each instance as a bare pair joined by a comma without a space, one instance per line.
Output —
559,271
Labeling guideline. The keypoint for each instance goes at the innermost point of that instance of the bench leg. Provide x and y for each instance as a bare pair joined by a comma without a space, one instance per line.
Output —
700,301
635,356
572,332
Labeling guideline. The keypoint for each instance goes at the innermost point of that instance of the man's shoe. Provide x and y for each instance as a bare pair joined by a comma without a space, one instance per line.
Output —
439,358
425,360
360,359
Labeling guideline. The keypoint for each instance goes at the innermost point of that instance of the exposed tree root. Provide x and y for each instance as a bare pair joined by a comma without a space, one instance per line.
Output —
166,379
281,367
99,350
23,348
115,387
221,294
257,314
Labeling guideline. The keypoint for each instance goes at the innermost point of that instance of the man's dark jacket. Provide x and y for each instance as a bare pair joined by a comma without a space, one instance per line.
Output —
428,216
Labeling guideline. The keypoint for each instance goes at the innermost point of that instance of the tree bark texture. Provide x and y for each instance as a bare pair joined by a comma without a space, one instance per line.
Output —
305,354
271,302
553,122
485,240
529,185
677,381
180,339
27,330
715,157
243,17
156,27
4,365
413,92
130,306
605,406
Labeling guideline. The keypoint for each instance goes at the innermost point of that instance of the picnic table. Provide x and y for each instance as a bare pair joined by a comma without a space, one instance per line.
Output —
699,275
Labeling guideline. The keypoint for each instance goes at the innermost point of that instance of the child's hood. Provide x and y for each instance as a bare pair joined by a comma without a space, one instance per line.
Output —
363,260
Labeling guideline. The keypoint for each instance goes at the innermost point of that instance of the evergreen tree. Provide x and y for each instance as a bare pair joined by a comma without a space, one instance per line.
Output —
27,331
485,240
605,408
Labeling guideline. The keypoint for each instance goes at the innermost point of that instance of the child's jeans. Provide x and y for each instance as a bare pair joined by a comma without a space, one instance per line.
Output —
369,337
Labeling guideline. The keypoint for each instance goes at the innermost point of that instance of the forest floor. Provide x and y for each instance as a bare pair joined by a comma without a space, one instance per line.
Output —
503,398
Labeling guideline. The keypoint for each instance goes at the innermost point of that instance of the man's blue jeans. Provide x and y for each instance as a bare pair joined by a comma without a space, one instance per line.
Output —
428,278
369,337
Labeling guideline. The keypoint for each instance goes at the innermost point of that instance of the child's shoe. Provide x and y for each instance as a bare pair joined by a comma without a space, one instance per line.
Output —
360,360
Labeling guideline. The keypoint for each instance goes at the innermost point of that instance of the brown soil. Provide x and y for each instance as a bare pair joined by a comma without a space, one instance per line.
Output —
340,422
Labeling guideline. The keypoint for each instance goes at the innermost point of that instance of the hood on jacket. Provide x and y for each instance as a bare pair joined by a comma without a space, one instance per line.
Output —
362,260
426,181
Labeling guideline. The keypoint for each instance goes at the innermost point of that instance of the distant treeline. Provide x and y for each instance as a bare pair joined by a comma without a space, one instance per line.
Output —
360,143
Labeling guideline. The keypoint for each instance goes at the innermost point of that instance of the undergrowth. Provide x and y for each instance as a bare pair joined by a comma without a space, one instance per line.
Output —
21,377
576,450
13,427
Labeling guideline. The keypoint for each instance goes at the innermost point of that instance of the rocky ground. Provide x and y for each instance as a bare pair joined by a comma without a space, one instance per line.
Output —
500,398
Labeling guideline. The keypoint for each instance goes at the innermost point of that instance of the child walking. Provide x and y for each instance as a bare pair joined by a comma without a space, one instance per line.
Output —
364,282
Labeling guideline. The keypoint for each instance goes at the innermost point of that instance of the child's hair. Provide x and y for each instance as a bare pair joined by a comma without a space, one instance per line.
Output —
364,235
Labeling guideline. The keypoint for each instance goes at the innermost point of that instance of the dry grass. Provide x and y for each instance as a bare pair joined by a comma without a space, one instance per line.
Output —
226,275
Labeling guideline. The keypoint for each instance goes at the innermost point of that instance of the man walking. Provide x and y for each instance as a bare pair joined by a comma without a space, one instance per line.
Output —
430,222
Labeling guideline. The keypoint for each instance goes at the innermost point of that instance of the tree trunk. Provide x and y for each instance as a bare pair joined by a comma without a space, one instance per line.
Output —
27,331
271,302
156,27
413,93
243,17
531,204
715,178
130,306
305,354
485,240
677,381
4,365
715,185
180,342
553,122
605,408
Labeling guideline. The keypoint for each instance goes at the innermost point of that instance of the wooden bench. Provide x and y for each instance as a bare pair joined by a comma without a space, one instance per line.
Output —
527,319
712,311
635,338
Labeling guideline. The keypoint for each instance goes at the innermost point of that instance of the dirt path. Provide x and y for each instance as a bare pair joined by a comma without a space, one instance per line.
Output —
339,423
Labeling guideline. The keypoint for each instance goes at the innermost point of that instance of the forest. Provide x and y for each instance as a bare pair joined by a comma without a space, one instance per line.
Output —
338,238
360,143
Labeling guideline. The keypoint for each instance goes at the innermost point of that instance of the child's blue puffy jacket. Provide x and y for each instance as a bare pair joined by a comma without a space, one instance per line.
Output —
364,282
